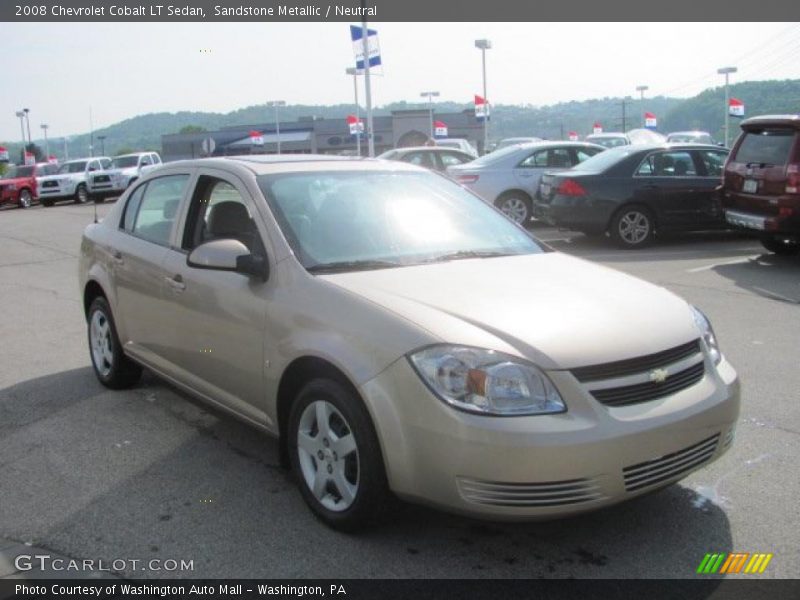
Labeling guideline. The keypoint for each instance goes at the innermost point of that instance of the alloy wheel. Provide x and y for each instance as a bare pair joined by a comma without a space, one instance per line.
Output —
634,227
328,455
102,346
515,208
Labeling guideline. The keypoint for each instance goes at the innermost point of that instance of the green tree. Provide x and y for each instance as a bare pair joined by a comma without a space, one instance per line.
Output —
124,150
192,129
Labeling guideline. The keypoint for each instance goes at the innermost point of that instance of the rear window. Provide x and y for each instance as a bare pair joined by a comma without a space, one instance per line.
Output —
770,146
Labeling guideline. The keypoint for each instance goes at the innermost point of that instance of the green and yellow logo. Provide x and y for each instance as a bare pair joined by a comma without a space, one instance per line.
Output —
736,562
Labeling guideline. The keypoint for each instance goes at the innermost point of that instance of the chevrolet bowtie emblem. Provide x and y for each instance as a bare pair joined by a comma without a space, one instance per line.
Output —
658,375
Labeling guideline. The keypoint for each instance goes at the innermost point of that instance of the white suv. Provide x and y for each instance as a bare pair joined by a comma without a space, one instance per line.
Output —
70,182
123,171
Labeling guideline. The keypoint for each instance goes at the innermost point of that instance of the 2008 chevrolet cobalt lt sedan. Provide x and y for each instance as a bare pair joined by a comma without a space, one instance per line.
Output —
398,335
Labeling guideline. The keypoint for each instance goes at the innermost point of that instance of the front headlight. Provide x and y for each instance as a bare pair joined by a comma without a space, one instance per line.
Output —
486,382
709,338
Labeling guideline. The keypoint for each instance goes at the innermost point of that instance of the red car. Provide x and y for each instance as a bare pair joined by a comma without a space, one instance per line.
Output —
18,185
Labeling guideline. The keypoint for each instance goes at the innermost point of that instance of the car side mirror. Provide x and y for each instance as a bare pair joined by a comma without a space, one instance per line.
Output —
228,255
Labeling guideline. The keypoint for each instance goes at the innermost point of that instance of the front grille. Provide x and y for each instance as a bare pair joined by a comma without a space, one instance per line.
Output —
631,366
554,493
669,466
49,184
102,179
650,390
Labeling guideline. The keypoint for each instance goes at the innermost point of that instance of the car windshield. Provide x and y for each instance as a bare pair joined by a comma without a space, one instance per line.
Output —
73,167
344,221
768,147
19,171
123,162
604,160
46,169
690,138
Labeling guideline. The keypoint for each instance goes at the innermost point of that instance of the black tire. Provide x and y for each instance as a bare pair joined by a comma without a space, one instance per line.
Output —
517,206
372,495
780,245
46,203
632,227
121,372
82,195
25,198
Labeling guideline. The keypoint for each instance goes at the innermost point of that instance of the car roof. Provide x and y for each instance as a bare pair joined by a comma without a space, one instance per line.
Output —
607,134
692,132
135,153
772,120
267,164
428,148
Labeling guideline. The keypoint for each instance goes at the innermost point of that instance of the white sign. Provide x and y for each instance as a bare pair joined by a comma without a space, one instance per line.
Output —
208,145
374,49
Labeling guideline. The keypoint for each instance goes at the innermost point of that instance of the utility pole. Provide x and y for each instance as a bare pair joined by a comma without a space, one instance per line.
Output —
430,96
642,89
367,81
44,127
624,103
483,46
102,139
275,104
727,71
28,122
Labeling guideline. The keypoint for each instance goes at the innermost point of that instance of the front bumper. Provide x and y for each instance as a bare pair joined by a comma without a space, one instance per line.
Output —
552,465
62,190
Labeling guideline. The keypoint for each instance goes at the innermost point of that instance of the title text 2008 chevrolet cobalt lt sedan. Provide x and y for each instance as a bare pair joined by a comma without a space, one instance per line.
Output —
401,336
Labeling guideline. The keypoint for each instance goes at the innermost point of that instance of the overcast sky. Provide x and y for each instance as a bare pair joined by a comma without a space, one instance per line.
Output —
122,70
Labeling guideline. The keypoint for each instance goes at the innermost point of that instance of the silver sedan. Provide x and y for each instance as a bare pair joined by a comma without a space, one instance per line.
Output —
508,178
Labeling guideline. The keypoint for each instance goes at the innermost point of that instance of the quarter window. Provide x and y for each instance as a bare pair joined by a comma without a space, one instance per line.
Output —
422,159
714,162
537,159
158,207
132,208
450,159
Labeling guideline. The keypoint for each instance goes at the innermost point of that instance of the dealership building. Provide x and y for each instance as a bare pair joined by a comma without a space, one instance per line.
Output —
312,135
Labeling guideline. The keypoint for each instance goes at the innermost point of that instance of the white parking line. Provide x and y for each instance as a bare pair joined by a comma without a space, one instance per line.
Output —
776,295
744,259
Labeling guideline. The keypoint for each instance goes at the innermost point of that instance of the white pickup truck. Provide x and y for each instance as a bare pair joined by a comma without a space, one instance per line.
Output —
70,182
123,171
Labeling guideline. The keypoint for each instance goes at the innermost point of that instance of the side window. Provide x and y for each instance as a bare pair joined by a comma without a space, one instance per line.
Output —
105,163
145,161
156,159
218,211
158,208
537,159
713,161
423,159
559,158
132,208
450,159
93,166
668,164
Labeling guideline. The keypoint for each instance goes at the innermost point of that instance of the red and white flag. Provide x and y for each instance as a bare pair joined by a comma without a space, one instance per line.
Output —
356,125
573,136
30,158
735,107
256,138
597,128
439,129
481,108
650,120
52,160
3,154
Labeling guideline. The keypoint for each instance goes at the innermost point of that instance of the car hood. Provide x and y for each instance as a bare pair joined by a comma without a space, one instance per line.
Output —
559,311
15,180
61,176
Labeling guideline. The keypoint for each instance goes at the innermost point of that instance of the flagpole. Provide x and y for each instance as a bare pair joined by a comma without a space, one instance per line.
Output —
367,83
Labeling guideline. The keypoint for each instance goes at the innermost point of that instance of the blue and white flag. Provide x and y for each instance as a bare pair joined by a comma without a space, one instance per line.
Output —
356,34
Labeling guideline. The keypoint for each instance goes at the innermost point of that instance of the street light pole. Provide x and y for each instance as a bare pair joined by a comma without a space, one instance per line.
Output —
642,89
430,96
354,72
102,139
727,71
275,104
21,116
44,127
483,46
28,122
66,149
367,81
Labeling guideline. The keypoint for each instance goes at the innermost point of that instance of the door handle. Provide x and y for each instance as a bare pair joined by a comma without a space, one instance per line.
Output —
116,256
176,282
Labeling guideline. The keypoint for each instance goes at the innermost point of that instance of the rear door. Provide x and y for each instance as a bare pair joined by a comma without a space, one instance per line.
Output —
529,171
136,262
670,183
711,164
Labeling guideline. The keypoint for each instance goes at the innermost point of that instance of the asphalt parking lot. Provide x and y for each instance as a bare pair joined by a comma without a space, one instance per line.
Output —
148,473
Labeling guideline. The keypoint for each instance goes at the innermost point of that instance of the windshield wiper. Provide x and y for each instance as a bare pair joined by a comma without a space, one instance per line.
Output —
351,265
464,254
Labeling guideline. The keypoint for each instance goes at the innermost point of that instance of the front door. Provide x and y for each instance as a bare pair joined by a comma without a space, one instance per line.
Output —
217,318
